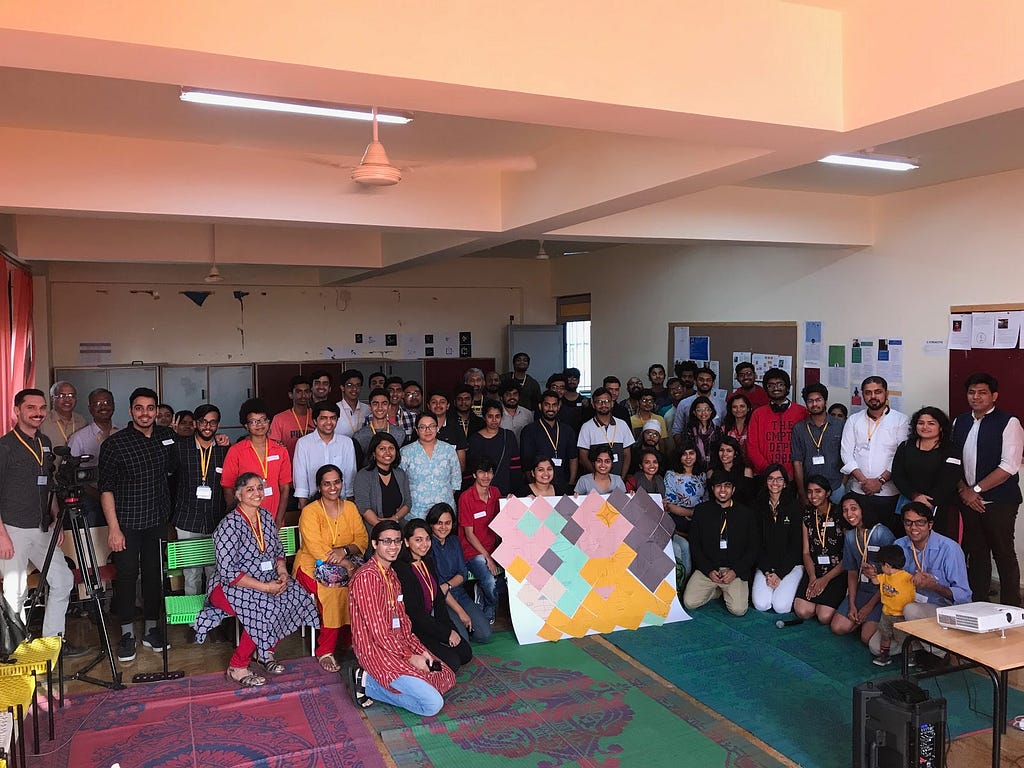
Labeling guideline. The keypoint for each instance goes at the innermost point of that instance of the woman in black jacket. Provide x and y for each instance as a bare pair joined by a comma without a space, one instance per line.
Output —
780,561
927,468
424,597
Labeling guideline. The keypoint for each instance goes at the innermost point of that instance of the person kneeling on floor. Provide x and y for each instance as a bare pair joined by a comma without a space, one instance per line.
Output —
393,665
723,545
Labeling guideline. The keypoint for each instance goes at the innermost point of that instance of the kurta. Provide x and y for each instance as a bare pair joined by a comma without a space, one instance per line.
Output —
266,618
319,536
382,648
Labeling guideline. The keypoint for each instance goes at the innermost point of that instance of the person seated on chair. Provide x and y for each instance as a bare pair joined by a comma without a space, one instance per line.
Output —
333,541
252,583
723,544
425,600
450,566
393,666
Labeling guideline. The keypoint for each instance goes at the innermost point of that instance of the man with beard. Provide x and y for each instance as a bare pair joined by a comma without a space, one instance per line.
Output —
770,435
605,430
656,375
474,379
548,437
870,439
573,399
686,372
634,386
815,445
87,442
747,378
705,387
513,416
492,385
529,389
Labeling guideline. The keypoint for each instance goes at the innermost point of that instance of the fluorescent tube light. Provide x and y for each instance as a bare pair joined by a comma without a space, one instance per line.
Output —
222,99
865,160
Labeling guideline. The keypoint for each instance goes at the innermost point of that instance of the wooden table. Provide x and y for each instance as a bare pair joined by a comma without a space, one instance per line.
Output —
995,653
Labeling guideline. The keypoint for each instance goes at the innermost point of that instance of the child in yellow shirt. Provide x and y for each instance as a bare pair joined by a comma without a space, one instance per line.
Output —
896,590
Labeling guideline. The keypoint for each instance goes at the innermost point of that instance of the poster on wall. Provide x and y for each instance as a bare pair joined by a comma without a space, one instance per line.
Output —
836,365
763,361
862,360
812,343
583,565
680,344
960,326
889,361
700,348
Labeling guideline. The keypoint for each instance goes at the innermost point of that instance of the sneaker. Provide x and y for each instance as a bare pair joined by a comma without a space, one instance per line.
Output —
70,651
882,660
154,639
126,648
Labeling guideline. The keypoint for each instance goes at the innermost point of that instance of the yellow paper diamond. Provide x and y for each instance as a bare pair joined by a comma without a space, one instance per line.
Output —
519,568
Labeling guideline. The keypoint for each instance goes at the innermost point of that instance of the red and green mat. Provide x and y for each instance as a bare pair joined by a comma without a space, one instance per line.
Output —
569,703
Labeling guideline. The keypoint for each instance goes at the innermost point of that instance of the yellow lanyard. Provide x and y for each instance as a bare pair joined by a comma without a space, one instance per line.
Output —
918,562
464,425
871,421
62,432
615,431
860,538
348,416
822,527
265,461
428,580
774,509
725,520
332,524
817,443
304,429
387,584
39,458
204,460
554,443
257,530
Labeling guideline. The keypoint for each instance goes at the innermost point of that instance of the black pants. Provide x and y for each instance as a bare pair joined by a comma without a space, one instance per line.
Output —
989,535
451,657
139,546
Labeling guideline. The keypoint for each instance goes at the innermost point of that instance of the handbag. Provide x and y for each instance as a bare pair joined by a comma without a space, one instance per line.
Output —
334,574
12,632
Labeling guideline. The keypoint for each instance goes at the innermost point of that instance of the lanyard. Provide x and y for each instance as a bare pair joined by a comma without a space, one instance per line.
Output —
817,443
304,429
725,524
876,422
774,509
348,416
62,432
918,562
332,524
204,460
387,583
264,461
554,443
39,458
464,425
427,579
615,431
257,529
822,526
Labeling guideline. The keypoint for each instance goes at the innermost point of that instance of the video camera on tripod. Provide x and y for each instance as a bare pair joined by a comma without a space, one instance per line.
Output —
69,475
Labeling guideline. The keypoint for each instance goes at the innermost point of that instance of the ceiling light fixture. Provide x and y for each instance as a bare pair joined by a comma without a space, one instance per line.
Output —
870,160
318,109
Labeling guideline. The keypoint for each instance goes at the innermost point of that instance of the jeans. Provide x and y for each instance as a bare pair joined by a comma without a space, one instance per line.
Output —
681,549
481,627
139,546
193,577
415,695
487,583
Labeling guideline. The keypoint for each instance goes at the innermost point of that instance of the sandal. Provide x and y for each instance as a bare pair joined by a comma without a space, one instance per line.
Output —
356,679
271,665
247,680
328,663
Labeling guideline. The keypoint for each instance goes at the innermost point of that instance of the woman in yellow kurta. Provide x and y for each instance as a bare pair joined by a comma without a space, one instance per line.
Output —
333,532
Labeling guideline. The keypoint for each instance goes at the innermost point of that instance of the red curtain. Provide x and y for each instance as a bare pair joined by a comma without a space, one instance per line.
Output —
17,353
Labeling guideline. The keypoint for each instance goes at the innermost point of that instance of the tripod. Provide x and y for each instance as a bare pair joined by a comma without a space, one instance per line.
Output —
71,512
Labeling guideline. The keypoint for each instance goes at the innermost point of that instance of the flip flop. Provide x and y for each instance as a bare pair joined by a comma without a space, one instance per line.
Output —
356,686
249,680
328,663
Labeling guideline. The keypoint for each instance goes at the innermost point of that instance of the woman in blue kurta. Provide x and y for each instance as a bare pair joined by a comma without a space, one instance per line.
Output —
252,583
432,467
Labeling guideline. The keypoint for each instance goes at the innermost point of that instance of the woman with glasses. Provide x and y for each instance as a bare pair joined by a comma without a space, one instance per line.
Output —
252,583
500,446
702,431
780,561
393,666
432,468
381,488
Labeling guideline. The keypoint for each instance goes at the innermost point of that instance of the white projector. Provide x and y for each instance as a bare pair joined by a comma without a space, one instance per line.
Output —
980,617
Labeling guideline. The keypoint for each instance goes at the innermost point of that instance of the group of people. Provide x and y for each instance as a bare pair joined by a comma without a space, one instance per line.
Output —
791,507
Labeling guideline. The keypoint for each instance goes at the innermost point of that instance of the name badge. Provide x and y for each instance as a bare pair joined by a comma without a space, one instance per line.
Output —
830,523
395,623
204,492
400,598
872,547
615,458
45,449
919,598
41,480
268,490
219,470
953,460
824,560
723,544
273,458
478,515
267,565
556,461
817,460
167,442
864,578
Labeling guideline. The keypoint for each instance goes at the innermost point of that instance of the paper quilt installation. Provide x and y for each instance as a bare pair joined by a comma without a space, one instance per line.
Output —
582,565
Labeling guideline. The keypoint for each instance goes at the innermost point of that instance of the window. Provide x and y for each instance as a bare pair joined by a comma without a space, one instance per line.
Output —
574,312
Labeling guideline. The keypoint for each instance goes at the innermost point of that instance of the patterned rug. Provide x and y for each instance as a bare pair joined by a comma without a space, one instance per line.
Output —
302,719
791,687
556,705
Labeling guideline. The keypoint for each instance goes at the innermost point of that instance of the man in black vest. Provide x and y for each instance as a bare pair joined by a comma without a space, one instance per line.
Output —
991,442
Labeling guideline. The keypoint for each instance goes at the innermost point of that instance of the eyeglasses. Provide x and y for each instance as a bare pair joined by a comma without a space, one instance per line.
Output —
776,479
352,385
602,402
207,422
426,427
101,404
702,410
257,422
915,523
65,396
389,542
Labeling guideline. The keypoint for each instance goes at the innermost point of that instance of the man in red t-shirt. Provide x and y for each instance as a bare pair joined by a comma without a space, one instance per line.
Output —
769,437
748,387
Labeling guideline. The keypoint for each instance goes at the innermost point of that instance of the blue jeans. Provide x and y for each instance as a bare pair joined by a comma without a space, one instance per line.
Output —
487,583
681,549
415,695
481,627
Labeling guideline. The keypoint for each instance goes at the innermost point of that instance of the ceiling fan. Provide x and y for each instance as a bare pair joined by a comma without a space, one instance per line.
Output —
375,170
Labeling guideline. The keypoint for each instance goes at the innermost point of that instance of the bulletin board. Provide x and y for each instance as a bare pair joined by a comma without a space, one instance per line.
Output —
778,338
1007,365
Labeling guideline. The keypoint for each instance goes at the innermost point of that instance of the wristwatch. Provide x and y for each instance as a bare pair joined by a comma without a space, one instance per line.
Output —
976,488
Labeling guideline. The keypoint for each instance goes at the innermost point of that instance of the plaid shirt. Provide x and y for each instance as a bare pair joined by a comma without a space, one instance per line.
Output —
134,468
190,512
407,421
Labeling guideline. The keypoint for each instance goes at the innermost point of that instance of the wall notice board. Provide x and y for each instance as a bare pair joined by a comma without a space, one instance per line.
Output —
1007,365
777,338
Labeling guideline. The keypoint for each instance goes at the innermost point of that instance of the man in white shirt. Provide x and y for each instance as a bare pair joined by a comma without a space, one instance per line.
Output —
87,441
353,413
605,429
325,446
991,442
870,439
